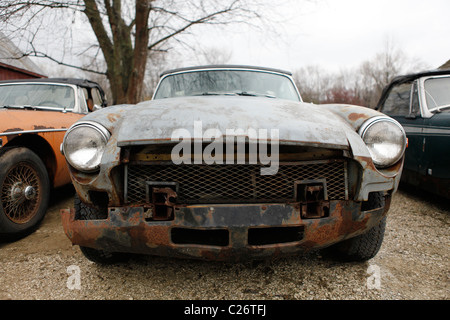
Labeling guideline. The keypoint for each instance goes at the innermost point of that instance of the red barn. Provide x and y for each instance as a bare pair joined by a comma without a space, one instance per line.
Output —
13,65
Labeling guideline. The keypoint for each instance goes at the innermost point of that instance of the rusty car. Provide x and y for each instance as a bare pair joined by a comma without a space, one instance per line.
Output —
34,116
228,163
420,102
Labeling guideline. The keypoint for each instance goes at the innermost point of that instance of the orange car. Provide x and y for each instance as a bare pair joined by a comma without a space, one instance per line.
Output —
34,116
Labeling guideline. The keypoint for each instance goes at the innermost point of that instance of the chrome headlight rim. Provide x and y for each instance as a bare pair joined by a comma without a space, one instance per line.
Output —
105,134
373,121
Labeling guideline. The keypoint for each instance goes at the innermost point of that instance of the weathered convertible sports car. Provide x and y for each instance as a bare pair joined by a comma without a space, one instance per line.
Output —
34,116
228,163
420,102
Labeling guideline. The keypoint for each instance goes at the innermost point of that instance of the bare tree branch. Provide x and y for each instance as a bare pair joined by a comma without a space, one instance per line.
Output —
44,55
125,31
201,20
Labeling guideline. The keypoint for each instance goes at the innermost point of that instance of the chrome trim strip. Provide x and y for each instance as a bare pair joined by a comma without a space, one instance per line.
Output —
436,131
106,134
427,130
31,131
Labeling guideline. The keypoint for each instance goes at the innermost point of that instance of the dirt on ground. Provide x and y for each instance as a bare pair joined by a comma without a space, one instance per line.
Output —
413,263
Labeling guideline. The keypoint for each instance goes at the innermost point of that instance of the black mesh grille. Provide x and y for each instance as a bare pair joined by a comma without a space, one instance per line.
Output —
235,183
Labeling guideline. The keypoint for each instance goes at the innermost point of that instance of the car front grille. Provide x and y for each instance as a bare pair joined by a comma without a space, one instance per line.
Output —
234,183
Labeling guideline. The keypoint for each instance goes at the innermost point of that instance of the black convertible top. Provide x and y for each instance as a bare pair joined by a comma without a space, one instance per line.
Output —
408,78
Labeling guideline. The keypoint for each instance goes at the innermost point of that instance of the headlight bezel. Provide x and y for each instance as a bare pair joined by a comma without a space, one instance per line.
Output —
104,134
368,124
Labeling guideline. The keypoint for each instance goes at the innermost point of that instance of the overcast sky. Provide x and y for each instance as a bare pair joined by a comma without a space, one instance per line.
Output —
332,34
337,34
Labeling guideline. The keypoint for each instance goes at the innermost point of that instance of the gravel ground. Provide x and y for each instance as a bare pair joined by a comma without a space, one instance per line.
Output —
413,263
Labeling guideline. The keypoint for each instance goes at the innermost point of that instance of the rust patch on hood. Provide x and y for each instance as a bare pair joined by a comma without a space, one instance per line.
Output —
113,117
357,116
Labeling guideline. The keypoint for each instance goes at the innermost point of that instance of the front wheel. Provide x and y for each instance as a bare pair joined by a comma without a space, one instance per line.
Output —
365,246
102,256
24,191
85,212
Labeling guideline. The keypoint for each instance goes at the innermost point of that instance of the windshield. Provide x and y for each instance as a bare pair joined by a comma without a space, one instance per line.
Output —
227,82
37,95
437,91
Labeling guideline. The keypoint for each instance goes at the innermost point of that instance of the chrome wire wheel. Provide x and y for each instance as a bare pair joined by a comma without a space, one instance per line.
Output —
24,191
21,193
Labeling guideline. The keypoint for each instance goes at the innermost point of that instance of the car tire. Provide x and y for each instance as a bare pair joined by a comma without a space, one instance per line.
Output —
24,192
85,212
365,246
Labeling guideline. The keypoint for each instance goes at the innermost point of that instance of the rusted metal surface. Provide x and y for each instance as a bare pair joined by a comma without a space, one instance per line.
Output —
126,230
354,115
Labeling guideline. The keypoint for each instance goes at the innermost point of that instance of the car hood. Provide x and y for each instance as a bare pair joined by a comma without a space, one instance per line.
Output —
155,121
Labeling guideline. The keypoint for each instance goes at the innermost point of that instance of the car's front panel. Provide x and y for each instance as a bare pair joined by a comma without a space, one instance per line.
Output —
223,211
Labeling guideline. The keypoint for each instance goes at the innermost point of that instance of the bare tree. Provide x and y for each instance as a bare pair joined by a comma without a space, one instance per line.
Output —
214,55
156,64
361,85
379,71
125,32
313,83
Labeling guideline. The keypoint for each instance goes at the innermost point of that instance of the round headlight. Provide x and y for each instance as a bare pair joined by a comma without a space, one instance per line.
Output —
385,139
84,145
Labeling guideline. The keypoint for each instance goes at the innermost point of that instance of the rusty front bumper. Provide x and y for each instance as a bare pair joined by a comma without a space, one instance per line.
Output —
221,232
